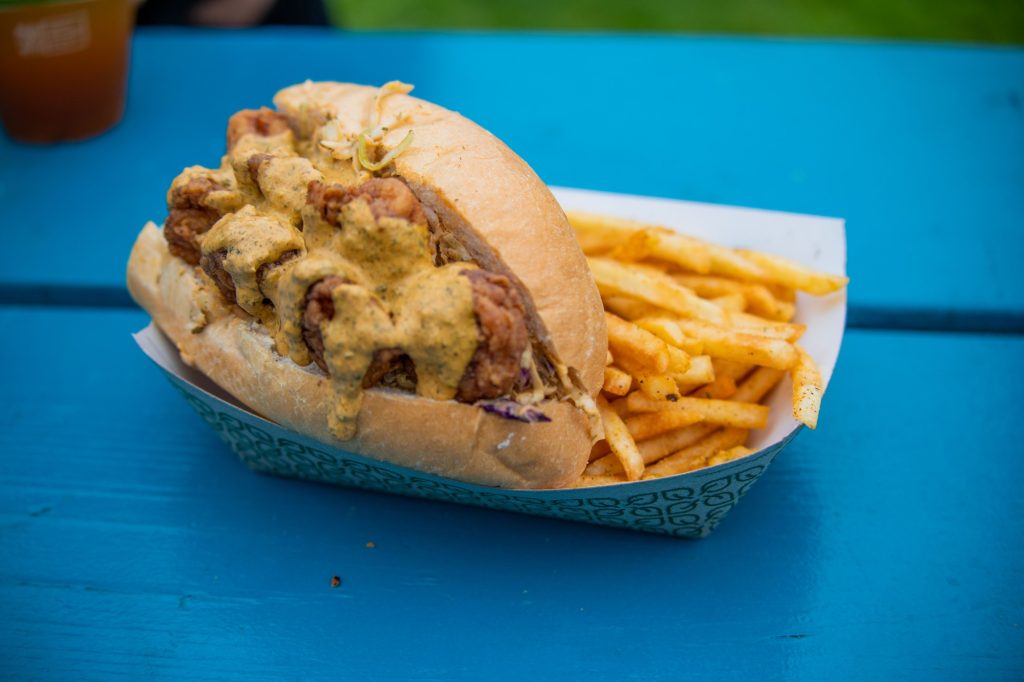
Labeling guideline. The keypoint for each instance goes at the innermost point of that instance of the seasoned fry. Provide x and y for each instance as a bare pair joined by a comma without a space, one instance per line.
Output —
783,293
630,342
679,361
635,247
620,442
616,381
668,331
686,252
725,412
785,311
722,388
807,389
631,309
653,449
657,386
740,347
756,386
596,231
695,456
586,481
791,274
759,298
728,455
619,407
752,324
615,279
733,303
699,334
733,370
701,371
725,261
644,426
723,369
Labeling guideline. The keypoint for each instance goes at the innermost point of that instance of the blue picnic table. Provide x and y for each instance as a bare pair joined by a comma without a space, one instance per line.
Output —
888,544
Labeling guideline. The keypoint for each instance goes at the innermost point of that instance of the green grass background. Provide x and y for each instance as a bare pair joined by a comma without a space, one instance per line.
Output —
993,21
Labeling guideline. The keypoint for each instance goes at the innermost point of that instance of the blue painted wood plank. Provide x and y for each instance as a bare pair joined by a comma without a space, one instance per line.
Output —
920,147
886,545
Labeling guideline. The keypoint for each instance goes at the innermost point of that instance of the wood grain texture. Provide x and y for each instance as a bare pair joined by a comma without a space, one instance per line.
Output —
920,148
133,545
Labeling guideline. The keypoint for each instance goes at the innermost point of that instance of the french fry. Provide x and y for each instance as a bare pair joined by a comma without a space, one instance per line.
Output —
725,412
615,279
740,347
725,261
621,443
733,370
631,309
705,309
598,233
760,300
728,455
733,303
586,481
619,407
785,311
616,381
695,456
792,274
807,389
653,449
686,252
630,343
722,388
595,231
608,359
752,324
782,293
756,386
635,247
657,386
651,424
701,371
668,331
679,361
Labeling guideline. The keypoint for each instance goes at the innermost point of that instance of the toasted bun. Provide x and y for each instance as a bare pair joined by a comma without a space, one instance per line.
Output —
509,221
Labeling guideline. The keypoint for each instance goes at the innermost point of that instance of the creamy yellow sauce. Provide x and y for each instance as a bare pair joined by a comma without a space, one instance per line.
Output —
392,297
436,325
287,285
360,326
249,240
285,181
390,248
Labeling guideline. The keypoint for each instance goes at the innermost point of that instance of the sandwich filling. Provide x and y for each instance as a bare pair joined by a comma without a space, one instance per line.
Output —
352,275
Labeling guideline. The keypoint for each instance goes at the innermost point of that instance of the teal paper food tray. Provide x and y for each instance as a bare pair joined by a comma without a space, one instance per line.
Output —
686,505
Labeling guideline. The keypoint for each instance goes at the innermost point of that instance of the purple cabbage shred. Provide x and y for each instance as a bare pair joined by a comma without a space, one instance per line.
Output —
513,410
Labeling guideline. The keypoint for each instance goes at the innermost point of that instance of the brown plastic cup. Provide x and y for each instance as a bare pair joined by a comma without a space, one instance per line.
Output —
63,67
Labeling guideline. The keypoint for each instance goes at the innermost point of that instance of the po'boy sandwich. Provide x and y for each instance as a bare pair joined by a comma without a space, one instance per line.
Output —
381,274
